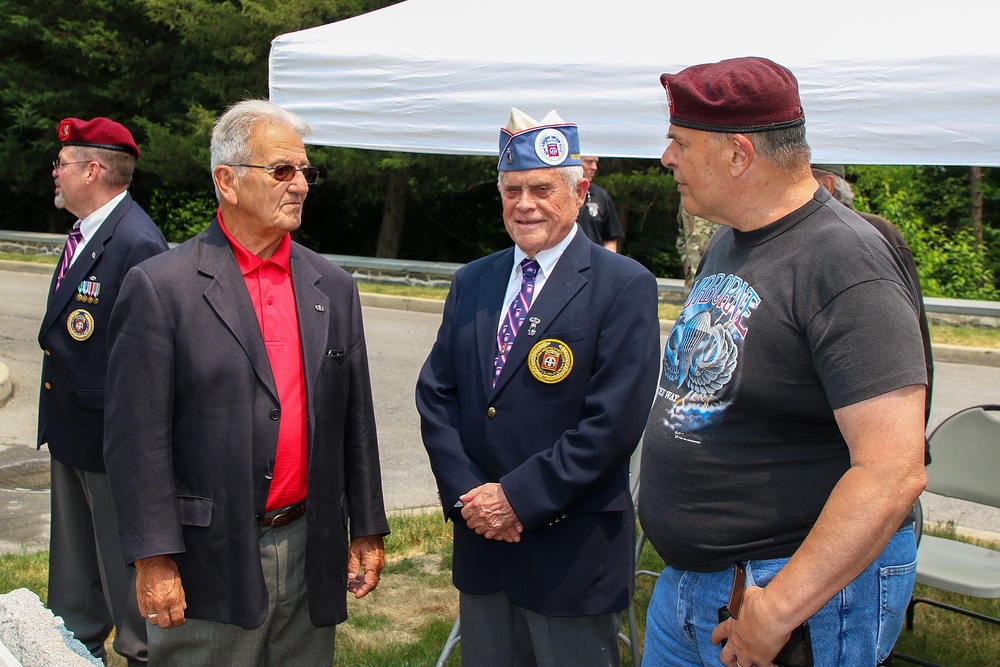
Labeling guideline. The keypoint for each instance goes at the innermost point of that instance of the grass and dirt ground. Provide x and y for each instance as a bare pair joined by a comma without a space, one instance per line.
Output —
406,620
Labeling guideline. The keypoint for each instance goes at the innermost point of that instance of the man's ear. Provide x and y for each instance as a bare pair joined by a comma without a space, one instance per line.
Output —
581,191
827,180
743,153
225,180
92,172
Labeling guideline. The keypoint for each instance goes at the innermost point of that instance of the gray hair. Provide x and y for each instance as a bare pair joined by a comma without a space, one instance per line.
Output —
234,128
118,164
842,190
571,175
786,149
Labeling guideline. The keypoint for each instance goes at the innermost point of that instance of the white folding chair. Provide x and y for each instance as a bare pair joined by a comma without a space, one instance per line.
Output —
966,466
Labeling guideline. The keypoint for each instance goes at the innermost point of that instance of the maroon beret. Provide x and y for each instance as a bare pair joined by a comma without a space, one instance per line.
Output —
737,95
99,133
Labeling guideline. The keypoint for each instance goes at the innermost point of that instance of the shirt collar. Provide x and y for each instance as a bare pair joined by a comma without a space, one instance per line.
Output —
547,259
93,222
249,262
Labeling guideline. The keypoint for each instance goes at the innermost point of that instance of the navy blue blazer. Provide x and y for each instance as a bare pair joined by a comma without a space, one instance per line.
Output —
192,427
71,402
559,449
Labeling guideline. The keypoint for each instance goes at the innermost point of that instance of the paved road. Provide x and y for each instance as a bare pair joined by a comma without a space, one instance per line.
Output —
398,343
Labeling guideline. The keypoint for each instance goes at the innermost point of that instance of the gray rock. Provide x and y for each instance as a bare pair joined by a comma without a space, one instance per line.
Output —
37,638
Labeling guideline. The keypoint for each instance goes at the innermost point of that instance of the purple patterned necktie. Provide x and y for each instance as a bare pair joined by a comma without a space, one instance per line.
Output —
72,241
515,316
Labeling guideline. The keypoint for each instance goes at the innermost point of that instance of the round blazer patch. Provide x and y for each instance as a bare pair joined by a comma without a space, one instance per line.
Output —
80,324
550,361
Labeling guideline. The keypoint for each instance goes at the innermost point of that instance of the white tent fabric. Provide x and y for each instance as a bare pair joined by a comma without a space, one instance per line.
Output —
882,81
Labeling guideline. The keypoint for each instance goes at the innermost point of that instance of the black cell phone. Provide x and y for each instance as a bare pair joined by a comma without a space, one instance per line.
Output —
796,653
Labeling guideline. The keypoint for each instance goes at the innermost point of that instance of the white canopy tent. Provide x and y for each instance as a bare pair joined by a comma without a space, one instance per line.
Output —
882,81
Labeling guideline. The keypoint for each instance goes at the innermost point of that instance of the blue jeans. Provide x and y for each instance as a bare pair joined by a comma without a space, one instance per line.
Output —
858,627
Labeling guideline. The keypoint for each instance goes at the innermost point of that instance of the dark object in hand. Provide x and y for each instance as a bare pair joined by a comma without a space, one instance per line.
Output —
796,653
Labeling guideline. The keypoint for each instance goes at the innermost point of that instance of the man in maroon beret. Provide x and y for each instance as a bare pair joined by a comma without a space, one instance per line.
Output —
784,452
89,585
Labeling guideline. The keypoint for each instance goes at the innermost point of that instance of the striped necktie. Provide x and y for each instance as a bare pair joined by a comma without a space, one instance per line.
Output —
72,242
515,316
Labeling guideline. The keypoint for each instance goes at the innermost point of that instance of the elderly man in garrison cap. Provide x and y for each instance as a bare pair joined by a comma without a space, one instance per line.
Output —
785,450
531,402
89,585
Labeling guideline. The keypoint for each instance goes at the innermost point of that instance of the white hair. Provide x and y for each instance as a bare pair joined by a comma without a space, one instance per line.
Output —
234,128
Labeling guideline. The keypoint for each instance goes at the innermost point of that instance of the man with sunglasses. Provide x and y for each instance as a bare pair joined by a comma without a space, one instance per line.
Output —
787,440
241,432
89,585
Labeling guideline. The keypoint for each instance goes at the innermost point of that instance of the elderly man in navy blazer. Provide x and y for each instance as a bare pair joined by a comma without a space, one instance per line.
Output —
241,445
531,403
89,585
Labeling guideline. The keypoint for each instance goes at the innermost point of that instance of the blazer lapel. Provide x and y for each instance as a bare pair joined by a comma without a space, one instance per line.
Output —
492,288
227,295
87,256
313,306
566,280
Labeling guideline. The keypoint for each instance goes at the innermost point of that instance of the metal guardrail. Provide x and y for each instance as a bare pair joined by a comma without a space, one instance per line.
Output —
419,272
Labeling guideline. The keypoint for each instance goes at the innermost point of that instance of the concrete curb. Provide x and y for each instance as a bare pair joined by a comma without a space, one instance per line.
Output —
411,303
958,354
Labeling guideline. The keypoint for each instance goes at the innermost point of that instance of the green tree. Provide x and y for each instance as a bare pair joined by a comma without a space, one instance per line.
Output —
950,260
166,69
646,199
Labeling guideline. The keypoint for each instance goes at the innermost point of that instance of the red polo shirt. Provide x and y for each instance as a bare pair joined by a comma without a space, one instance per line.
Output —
269,283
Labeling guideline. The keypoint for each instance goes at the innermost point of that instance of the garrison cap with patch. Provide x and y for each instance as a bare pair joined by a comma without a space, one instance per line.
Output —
99,132
529,144
737,95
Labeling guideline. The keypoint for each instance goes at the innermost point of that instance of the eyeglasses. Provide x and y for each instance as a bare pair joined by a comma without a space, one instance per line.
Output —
57,165
285,172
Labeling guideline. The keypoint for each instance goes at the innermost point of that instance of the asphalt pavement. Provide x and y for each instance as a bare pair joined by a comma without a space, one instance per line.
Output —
400,332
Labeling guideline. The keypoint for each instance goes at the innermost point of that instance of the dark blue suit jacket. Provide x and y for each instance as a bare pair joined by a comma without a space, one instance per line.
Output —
71,404
559,450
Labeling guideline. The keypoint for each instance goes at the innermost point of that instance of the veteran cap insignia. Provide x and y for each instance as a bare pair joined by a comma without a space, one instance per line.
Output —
550,361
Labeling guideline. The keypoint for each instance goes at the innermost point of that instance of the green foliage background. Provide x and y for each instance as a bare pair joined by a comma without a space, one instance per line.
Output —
931,207
167,68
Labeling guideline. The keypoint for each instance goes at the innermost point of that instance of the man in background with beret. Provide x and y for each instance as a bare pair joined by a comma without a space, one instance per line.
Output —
530,413
89,585
785,450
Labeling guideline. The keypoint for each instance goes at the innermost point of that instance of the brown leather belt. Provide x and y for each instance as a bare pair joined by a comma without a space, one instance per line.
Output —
285,515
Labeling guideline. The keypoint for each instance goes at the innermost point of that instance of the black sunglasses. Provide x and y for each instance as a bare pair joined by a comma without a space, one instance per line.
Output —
285,172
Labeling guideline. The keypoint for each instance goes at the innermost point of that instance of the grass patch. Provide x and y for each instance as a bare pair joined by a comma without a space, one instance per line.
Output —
34,259
406,620
968,336
29,571
395,289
